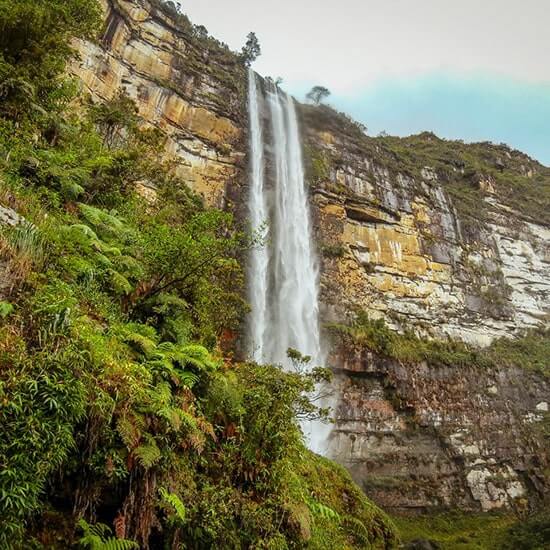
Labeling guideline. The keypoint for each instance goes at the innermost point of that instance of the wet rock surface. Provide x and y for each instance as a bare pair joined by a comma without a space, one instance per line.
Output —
418,437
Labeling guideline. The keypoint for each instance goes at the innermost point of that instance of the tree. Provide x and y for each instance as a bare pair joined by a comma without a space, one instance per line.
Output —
317,94
251,50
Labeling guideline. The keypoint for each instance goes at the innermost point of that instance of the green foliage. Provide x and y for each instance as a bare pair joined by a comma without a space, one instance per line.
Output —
459,531
5,309
251,50
98,537
175,503
116,403
317,94
34,46
531,533
342,516
529,350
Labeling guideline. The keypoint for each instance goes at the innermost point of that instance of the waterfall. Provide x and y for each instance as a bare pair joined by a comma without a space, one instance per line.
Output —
257,208
283,273
283,289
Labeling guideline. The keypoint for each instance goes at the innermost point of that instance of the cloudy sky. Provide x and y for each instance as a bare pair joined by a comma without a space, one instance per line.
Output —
472,69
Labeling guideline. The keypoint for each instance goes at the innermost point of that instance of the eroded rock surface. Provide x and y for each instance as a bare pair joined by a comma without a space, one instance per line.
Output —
420,436
397,247
193,90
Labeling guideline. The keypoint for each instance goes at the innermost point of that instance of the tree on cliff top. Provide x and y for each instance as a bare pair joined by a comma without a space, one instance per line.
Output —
317,94
251,50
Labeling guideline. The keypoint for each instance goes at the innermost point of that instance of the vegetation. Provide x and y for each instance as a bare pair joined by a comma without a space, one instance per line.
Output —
123,424
468,171
529,351
317,94
251,50
492,531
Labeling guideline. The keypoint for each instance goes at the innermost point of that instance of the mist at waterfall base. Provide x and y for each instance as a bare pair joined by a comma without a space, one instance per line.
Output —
283,272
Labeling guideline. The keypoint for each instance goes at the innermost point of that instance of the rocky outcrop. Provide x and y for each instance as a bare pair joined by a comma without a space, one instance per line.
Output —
184,83
401,247
417,437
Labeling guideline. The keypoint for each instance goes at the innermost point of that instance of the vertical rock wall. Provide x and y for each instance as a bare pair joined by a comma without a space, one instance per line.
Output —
189,86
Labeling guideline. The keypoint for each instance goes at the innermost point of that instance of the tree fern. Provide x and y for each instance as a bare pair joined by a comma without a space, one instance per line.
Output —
194,355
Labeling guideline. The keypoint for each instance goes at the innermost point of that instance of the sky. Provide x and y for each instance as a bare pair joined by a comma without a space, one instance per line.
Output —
470,69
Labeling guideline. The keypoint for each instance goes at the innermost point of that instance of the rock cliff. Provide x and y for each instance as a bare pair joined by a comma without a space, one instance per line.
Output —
421,436
184,83
441,237
458,247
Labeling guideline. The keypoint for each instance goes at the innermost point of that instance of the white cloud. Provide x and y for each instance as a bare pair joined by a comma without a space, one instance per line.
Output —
349,44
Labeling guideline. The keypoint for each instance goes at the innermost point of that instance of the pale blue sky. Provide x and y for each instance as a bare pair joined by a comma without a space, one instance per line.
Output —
473,69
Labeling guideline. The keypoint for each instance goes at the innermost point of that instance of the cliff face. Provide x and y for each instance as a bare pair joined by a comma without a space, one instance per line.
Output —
187,85
442,247
448,239
420,436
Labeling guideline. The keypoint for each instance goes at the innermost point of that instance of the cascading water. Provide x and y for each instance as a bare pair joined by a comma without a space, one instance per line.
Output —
283,275
257,207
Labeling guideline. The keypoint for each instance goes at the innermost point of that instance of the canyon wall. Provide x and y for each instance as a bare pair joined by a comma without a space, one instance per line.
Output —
435,236
183,82
422,436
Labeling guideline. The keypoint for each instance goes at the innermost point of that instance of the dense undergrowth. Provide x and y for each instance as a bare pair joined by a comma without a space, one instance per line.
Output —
123,423
463,531
530,350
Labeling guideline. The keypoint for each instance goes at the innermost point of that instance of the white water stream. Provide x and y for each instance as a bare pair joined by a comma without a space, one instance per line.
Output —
283,274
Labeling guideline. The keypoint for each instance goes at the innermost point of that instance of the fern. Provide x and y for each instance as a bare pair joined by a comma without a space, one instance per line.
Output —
105,224
148,454
174,502
142,338
188,379
130,429
358,528
319,509
193,355
119,283
99,537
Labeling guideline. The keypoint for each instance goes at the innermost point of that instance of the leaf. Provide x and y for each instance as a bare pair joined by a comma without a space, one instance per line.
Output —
5,309
175,502
149,453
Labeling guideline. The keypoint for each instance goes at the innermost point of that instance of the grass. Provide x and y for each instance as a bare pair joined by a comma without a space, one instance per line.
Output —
476,531
457,531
